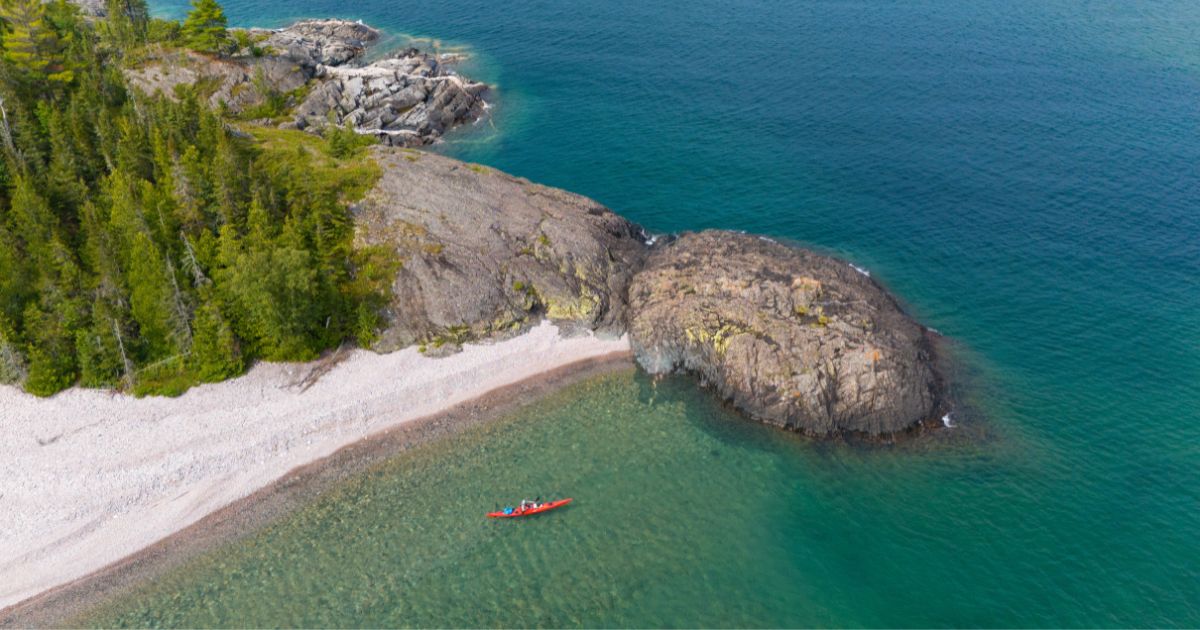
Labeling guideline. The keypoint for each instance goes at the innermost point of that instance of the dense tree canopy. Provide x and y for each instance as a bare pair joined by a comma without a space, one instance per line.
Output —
146,244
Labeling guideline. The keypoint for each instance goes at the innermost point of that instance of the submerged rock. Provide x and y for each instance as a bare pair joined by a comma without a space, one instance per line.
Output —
793,338
487,254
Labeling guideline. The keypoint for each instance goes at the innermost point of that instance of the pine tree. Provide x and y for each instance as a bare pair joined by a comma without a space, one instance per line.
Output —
12,360
50,328
32,47
141,242
102,360
215,352
126,23
205,27
16,278
151,299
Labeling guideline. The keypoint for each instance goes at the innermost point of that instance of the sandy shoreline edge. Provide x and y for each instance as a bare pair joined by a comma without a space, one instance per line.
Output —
100,489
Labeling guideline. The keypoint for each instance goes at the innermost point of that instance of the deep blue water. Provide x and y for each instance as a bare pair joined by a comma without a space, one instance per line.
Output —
1025,174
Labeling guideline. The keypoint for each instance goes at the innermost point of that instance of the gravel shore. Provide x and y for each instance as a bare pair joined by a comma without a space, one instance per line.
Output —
89,477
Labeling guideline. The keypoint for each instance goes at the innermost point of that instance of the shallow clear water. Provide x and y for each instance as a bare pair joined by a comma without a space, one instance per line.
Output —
1022,173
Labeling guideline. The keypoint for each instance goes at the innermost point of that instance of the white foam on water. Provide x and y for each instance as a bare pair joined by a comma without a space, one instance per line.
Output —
946,421
860,270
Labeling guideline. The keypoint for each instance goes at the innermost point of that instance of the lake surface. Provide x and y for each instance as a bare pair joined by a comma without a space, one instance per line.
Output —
1024,174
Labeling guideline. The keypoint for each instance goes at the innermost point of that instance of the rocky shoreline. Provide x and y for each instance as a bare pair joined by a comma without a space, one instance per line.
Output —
408,98
790,337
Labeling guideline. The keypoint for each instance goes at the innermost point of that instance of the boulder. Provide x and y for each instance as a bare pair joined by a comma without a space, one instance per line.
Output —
793,338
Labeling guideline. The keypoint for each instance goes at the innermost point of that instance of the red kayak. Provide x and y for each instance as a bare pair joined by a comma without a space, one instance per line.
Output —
529,511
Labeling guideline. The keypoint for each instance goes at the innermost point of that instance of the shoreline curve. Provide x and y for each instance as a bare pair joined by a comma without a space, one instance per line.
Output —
75,557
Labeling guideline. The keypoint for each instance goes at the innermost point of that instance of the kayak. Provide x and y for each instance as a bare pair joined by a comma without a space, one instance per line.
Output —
545,507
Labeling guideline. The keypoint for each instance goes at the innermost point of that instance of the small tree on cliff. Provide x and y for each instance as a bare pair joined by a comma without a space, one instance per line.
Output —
204,28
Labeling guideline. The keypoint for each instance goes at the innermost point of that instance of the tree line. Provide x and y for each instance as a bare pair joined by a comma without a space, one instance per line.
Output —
144,242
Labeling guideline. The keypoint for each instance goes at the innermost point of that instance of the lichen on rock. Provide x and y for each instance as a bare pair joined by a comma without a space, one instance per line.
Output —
510,252
793,338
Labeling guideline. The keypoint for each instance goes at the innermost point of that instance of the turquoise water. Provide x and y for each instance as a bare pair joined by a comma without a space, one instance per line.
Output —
1023,173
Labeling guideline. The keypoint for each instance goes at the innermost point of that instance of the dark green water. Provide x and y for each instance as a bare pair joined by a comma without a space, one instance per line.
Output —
1023,173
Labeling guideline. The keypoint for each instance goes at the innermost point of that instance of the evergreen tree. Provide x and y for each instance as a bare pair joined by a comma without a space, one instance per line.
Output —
126,23
12,360
33,49
102,360
150,299
215,352
142,243
205,27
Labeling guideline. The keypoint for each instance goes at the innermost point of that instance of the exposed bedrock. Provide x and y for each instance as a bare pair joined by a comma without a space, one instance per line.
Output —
408,98
484,253
792,338
313,43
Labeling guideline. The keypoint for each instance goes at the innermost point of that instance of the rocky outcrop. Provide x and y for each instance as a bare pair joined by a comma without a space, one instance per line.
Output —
486,254
236,84
793,338
313,43
91,8
409,98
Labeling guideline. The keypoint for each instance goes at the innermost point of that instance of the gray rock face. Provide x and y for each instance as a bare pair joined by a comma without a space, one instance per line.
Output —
91,8
410,98
407,99
313,43
487,254
793,338
239,82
